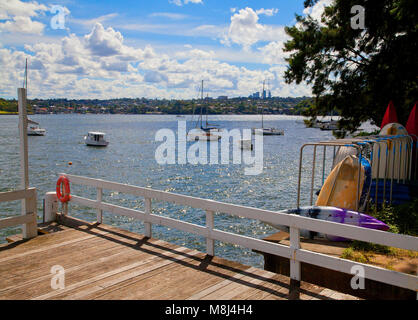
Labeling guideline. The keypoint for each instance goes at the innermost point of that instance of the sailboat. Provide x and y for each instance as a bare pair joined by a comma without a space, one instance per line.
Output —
33,127
205,133
266,131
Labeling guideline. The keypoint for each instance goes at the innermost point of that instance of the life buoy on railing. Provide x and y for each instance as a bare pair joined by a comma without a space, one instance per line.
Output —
65,195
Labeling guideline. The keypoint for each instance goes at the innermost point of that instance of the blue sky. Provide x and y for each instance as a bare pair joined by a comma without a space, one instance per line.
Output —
156,49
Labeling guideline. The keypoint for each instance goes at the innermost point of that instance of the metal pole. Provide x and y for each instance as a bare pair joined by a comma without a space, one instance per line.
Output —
313,173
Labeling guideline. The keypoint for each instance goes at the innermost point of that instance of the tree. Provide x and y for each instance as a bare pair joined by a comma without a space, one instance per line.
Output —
357,71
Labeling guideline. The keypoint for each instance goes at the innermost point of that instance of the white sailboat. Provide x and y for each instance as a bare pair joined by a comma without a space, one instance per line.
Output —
33,127
203,133
266,131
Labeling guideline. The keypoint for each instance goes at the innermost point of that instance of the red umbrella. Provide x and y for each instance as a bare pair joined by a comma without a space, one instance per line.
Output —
390,115
412,123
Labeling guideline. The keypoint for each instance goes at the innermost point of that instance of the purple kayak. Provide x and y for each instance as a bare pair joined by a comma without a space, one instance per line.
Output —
334,214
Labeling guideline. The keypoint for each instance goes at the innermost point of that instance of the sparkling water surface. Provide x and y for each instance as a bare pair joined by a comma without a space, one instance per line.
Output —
130,158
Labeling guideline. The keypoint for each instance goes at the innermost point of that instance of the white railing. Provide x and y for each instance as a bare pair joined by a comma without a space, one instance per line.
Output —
295,222
27,220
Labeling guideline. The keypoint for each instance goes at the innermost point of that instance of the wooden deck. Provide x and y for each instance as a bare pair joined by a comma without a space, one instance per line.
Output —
104,262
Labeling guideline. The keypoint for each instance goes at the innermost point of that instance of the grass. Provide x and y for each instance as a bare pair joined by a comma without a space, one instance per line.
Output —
7,112
400,219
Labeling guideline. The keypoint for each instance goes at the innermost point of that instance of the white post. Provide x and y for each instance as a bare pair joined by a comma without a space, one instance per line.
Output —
29,204
23,128
51,206
210,243
99,200
30,230
148,225
295,272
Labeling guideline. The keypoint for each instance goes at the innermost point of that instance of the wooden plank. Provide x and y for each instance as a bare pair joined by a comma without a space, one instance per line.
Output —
145,265
36,277
69,256
278,285
41,248
204,293
154,284
77,273
128,259
187,278
250,281
49,239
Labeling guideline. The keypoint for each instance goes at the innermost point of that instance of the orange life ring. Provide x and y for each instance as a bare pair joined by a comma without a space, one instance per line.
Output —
65,196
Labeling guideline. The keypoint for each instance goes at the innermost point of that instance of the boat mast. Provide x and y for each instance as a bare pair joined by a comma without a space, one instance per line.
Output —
262,108
201,106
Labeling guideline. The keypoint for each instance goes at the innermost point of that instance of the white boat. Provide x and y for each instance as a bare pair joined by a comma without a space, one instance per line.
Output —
267,131
245,144
202,135
205,133
34,129
330,125
96,139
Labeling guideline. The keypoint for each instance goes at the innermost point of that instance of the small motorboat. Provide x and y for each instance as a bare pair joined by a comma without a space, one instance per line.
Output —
268,131
96,139
34,129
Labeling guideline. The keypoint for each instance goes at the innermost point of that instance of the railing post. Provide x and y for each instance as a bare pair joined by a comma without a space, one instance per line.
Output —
210,243
295,271
51,206
148,225
30,230
99,201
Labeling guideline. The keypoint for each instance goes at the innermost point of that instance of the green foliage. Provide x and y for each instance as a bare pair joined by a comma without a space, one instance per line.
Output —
376,248
350,254
357,71
11,106
401,219
8,105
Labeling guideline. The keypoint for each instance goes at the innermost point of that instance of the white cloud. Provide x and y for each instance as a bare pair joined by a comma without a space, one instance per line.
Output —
183,2
317,9
11,8
100,65
267,12
19,16
245,30
22,24
104,42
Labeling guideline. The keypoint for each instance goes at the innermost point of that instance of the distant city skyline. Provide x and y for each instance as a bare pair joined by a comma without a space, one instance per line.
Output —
161,49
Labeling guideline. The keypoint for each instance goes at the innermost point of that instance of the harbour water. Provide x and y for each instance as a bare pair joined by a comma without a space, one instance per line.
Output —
130,158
